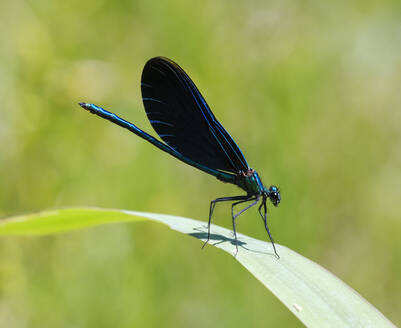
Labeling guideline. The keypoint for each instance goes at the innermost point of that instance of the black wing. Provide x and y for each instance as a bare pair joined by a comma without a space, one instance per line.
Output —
181,117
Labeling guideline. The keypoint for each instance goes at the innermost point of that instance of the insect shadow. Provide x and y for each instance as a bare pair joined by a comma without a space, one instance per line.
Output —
219,239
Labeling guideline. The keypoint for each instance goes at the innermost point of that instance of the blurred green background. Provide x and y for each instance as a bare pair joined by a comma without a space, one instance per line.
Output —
309,90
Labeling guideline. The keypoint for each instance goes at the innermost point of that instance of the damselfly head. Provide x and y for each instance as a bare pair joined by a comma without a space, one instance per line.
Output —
274,195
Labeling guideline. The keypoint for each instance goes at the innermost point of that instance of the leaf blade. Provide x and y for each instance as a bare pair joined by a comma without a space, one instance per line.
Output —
310,292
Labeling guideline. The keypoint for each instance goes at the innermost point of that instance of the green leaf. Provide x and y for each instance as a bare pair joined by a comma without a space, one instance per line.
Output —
314,295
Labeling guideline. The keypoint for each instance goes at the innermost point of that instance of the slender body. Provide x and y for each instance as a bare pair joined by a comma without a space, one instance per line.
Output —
191,133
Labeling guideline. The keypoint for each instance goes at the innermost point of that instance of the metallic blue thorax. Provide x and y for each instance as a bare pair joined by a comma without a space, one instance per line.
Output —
250,182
